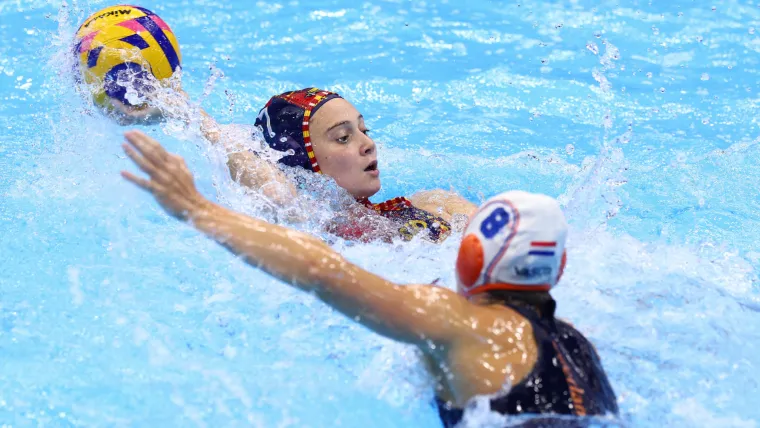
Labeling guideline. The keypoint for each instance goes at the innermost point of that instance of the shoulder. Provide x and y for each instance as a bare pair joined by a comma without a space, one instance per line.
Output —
448,306
501,327
572,334
433,195
443,202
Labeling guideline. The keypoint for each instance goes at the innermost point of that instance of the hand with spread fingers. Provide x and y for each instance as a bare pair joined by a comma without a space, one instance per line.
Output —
170,182
134,115
159,106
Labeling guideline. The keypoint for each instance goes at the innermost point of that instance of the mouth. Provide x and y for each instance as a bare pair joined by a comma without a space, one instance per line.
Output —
371,167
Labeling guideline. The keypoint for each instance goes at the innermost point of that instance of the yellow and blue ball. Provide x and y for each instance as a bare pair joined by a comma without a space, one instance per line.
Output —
125,44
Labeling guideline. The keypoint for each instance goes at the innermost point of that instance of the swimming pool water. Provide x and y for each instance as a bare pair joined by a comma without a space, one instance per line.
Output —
639,116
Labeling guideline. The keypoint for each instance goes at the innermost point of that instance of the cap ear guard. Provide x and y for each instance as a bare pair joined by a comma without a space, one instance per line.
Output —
470,260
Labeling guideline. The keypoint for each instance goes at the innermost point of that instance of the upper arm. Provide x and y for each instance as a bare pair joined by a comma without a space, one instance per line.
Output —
245,167
443,203
411,314
253,172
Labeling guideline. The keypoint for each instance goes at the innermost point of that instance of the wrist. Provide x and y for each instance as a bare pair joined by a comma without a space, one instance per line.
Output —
200,210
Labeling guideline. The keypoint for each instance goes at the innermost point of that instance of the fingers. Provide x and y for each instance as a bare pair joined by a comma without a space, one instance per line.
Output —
140,182
140,161
148,147
164,168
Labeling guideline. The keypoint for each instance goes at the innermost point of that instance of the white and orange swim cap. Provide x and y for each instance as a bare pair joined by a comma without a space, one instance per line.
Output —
514,241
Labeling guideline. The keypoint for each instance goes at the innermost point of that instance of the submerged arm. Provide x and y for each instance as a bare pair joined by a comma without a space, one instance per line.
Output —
245,167
413,314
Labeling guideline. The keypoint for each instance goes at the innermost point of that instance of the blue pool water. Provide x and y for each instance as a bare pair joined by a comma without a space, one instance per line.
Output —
639,116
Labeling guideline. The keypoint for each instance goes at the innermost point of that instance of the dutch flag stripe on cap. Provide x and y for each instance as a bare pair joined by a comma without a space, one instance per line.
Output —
542,248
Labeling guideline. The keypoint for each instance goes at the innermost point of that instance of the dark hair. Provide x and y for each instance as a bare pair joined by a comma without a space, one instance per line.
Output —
541,300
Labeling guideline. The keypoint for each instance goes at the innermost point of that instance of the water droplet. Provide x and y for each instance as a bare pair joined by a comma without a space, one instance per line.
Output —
751,30
593,48
714,8
649,75
705,76
655,30
680,13
662,90
570,149
705,121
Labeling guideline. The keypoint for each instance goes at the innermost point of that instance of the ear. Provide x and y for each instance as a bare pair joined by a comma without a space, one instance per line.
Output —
562,265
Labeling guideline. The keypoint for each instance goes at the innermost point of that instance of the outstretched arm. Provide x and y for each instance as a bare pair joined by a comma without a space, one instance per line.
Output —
414,314
245,167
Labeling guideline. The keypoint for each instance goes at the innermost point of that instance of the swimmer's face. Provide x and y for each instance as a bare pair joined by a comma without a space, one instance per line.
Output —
343,149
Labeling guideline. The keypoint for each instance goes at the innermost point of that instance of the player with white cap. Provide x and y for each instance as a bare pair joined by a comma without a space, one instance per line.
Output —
496,336
515,242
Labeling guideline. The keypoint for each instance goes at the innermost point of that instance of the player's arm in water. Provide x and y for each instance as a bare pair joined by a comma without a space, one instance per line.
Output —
245,167
254,172
447,204
425,315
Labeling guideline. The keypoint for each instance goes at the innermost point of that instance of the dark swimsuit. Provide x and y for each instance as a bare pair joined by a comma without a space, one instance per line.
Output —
409,219
568,379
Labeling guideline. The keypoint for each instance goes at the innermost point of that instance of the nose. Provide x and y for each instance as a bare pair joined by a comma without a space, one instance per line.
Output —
368,145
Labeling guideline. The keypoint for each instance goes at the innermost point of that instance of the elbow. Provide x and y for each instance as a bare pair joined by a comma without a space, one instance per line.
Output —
236,162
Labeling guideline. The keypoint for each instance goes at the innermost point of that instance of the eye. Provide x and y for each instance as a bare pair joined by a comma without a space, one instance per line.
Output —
366,132
343,140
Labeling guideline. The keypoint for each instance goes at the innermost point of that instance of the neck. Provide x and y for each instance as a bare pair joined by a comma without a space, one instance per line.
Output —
541,309
538,301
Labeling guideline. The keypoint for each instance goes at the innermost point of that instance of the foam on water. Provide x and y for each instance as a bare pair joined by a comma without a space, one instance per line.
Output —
111,313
